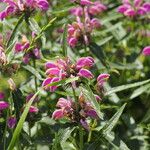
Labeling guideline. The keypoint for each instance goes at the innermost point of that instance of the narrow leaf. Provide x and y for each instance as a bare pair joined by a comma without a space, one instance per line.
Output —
20,123
124,87
113,121
64,41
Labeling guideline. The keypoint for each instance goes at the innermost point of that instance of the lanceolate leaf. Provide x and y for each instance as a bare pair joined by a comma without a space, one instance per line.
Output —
33,71
139,91
64,42
124,87
15,30
89,96
113,121
20,123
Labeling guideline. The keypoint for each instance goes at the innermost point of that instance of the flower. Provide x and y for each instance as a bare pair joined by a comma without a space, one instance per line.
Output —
33,109
102,78
128,8
15,7
79,32
67,108
11,122
146,51
63,68
3,105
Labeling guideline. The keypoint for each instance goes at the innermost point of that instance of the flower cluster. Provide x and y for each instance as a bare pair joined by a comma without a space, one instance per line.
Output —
75,113
138,7
64,68
79,31
17,6
23,46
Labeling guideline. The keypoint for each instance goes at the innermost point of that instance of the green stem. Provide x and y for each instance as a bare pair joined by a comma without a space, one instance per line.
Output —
90,133
81,137
76,99
35,78
5,130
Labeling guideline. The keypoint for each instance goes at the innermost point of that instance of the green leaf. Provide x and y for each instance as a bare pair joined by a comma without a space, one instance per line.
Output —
113,121
64,81
89,96
64,43
36,28
33,71
15,30
128,86
20,123
139,91
98,52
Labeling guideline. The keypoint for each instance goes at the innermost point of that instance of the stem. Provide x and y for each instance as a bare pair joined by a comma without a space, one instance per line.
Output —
4,135
81,137
35,78
75,97
90,133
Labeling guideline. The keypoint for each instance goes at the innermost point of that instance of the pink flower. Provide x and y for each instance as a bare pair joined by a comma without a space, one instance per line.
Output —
64,103
49,65
138,7
97,8
33,109
137,3
130,12
78,11
3,105
102,78
85,73
84,62
95,23
72,42
146,51
58,114
97,98
19,6
146,6
85,2
123,8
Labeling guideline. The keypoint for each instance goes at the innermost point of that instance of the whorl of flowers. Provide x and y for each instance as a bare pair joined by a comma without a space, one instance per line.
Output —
79,31
135,8
67,109
64,68
17,6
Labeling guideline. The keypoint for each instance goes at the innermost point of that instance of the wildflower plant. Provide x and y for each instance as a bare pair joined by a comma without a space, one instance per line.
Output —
74,74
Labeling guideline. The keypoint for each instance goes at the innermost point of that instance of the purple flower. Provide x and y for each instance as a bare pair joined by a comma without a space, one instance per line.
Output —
84,124
146,51
102,78
58,114
3,105
33,109
11,122
85,73
128,8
